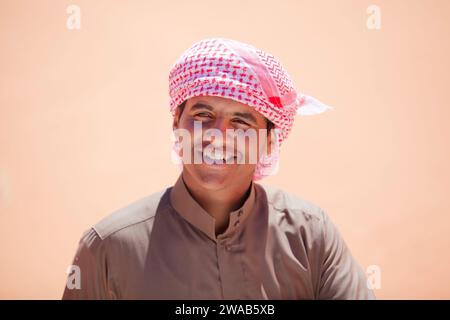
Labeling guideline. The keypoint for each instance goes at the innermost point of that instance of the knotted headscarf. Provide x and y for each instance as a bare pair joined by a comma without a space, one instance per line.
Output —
235,70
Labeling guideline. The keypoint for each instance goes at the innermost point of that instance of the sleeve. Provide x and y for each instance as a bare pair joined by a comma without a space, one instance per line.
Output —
87,276
341,277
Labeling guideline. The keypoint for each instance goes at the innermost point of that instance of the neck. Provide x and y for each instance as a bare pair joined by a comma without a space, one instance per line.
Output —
218,203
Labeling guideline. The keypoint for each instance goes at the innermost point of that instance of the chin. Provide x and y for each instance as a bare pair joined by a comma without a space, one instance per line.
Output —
214,179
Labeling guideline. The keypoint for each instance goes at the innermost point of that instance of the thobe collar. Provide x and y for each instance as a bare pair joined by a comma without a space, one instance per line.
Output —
183,202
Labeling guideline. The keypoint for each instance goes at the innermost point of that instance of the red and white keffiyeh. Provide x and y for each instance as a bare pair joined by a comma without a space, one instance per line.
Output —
235,70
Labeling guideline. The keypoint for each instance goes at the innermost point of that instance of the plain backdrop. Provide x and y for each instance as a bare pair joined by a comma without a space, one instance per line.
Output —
85,127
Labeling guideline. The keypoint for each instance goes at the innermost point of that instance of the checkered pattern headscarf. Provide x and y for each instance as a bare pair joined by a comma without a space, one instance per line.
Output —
239,71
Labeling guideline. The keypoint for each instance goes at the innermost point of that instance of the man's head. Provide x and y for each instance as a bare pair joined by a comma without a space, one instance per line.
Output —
240,73
224,158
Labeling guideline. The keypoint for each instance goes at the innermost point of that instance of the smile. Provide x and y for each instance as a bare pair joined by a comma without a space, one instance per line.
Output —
216,158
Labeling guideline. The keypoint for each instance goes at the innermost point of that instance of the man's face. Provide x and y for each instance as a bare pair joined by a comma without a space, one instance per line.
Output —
224,160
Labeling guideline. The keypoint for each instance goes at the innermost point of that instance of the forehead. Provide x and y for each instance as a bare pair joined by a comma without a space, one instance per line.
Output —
220,104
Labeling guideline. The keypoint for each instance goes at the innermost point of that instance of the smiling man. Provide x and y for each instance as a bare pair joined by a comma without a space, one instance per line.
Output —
220,181
217,233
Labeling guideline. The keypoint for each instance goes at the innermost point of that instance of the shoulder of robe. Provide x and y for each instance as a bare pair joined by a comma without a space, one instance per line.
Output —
134,214
296,209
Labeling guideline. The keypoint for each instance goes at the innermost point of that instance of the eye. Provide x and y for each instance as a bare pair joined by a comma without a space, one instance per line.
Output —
240,121
203,115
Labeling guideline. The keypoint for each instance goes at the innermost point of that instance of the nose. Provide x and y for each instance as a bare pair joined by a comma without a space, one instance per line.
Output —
222,124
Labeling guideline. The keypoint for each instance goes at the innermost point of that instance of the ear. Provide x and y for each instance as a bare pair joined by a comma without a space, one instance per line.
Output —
266,146
269,142
176,119
270,139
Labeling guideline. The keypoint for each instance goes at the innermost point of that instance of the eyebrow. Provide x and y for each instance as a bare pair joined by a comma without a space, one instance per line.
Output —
200,105
244,115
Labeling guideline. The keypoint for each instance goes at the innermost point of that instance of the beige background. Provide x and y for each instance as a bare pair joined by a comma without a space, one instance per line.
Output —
85,127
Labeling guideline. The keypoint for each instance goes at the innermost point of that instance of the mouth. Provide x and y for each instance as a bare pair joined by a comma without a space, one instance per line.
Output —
217,158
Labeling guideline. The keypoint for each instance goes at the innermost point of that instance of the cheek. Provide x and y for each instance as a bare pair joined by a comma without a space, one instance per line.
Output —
255,148
186,123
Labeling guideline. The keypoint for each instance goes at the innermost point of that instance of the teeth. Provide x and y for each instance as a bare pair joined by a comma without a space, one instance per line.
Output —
218,155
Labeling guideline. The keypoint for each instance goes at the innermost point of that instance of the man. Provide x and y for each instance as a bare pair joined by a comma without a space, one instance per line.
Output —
217,234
